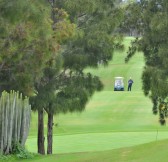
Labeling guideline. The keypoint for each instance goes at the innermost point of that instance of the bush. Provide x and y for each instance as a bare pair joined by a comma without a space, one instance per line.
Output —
21,152
6,158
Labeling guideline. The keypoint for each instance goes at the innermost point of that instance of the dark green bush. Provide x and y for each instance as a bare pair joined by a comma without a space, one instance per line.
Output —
21,152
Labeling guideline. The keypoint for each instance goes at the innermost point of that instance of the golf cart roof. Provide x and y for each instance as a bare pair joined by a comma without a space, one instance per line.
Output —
119,77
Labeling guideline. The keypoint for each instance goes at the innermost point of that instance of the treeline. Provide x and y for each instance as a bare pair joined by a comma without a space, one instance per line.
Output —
150,18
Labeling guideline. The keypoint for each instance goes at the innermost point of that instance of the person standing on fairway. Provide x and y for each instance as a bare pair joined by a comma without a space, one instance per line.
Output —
130,82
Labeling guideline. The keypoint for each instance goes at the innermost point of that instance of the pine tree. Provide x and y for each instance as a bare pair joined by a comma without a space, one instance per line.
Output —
25,43
62,30
69,89
153,18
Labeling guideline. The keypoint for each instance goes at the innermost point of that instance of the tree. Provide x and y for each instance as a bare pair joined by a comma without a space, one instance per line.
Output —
69,89
62,30
132,23
97,38
154,19
26,43
25,35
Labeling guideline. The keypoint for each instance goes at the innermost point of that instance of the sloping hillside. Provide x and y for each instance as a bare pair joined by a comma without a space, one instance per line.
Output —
111,119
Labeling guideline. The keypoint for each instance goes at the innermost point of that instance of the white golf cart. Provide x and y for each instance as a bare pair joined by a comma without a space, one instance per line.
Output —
119,84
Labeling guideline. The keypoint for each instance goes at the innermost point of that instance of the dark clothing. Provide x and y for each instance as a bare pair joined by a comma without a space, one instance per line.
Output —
130,82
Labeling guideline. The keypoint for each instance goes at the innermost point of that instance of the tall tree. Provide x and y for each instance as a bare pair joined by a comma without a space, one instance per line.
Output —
25,35
26,43
62,30
69,89
153,17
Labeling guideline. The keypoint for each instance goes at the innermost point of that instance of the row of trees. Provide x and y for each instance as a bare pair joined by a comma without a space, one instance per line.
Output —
150,18
45,46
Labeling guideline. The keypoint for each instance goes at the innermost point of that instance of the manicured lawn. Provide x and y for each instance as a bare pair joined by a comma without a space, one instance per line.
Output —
154,152
99,141
111,120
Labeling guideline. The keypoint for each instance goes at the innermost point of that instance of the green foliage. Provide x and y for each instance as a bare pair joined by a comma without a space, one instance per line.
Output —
20,152
90,40
4,158
153,19
66,93
76,92
25,43
95,40
63,28
132,49
132,21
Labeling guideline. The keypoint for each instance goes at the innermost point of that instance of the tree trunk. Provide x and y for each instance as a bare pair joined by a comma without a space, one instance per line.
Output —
2,126
41,138
50,133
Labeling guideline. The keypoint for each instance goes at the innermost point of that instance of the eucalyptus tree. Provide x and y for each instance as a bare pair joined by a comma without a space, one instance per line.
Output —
153,16
68,89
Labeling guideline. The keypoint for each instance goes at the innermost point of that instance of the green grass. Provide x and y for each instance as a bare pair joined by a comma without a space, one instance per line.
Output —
154,151
99,141
111,123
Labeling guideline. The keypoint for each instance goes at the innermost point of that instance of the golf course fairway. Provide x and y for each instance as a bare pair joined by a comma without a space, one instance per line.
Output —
114,124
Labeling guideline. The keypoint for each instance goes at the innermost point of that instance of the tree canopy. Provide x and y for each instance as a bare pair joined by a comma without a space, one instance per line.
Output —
153,19
67,88
25,43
